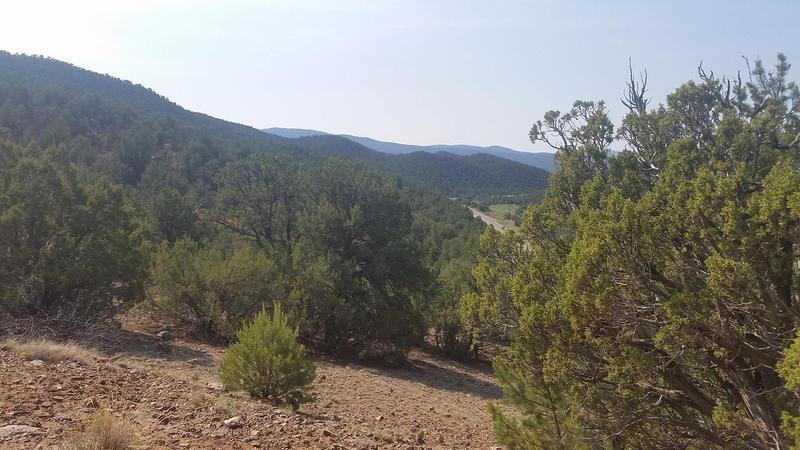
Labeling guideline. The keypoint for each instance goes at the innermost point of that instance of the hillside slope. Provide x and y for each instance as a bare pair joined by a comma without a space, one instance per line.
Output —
104,122
172,398
454,175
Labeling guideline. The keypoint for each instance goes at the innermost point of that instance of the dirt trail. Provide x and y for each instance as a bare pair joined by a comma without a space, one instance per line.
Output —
173,398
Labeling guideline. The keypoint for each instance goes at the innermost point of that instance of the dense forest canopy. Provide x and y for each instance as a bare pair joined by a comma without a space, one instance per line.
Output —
652,297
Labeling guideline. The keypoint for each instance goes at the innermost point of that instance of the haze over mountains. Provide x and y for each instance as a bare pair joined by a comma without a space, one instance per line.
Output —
542,160
45,102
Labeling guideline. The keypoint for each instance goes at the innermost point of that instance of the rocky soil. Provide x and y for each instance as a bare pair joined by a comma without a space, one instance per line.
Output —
170,394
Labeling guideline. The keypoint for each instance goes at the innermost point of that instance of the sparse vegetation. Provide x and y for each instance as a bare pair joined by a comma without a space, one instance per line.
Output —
106,432
49,351
267,361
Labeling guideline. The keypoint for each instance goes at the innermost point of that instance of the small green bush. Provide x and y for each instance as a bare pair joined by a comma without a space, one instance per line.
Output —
267,362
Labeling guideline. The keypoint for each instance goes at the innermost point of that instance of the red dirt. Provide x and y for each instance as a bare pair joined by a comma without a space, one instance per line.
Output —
169,393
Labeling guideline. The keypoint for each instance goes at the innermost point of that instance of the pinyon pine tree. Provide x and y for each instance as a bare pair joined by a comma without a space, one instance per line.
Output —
268,363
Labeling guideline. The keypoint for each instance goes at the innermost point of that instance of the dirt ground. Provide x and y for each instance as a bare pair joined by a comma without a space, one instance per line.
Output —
172,398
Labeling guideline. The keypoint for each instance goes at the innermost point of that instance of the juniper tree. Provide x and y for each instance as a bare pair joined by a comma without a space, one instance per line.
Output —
656,291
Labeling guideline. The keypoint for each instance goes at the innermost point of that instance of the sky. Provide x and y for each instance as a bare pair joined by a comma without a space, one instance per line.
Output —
409,71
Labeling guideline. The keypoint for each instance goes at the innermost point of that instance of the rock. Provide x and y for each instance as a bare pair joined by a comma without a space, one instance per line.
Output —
91,402
164,335
18,430
234,422
46,404
379,418
327,432
36,363
216,386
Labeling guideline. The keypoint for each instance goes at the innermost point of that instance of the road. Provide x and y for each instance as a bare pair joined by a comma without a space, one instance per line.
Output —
487,219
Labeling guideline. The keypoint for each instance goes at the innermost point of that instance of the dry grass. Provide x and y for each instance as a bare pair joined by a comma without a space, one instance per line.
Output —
104,433
50,351
198,398
229,406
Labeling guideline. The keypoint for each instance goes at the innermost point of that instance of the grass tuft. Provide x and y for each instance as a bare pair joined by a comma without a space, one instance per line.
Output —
49,351
104,433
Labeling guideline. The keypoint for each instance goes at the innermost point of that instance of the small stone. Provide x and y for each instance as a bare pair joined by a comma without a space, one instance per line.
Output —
164,335
91,402
46,404
379,418
36,363
234,422
216,386
327,432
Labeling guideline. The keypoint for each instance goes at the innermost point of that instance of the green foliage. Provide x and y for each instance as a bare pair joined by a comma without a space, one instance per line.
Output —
135,136
69,246
546,417
267,362
215,290
444,317
789,370
231,216
453,175
357,235
261,199
172,215
655,291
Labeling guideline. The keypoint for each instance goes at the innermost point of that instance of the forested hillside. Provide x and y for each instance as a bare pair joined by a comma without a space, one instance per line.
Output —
467,176
542,160
49,102
111,195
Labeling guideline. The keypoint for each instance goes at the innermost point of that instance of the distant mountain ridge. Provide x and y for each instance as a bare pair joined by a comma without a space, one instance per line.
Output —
542,160
129,132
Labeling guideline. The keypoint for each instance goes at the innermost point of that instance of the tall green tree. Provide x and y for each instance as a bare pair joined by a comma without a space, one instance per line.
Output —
358,233
262,199
656,291
69,247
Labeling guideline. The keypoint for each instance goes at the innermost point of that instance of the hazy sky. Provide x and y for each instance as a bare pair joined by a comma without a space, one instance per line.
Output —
420,72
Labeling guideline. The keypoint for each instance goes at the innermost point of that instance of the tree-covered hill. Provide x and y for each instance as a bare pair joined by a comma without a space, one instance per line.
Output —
111,195
455,175
45,101
542,160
